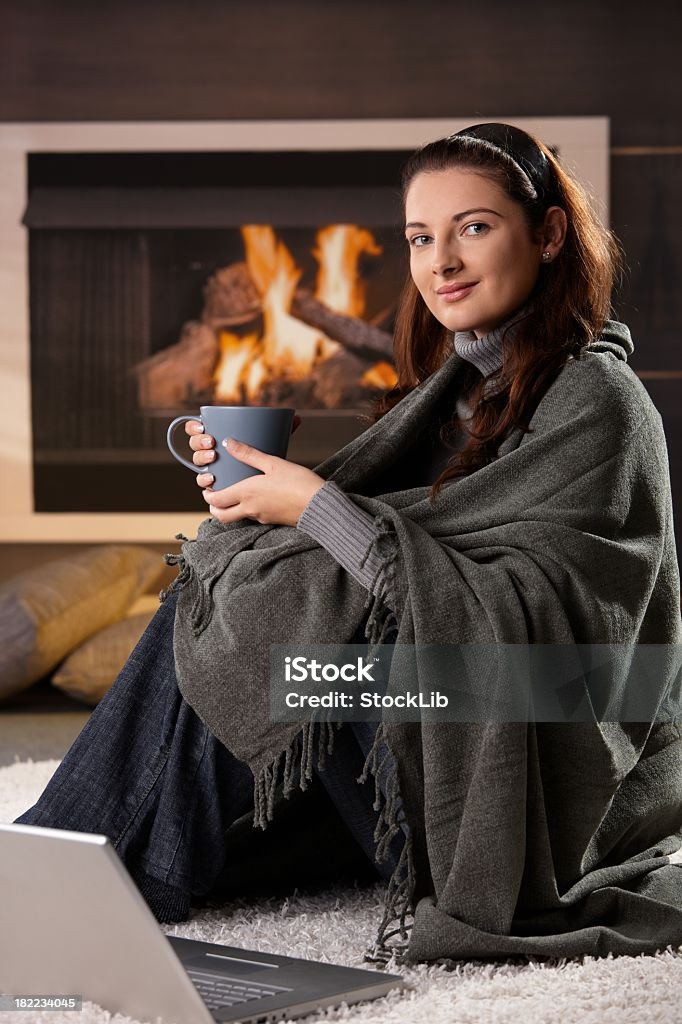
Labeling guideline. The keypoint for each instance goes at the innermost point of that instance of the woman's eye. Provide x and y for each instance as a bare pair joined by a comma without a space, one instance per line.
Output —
419,240
478,224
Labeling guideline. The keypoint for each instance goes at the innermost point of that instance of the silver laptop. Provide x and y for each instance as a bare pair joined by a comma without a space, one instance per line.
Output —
72,923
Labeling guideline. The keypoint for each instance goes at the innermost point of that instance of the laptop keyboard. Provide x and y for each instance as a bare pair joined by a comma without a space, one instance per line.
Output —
218,991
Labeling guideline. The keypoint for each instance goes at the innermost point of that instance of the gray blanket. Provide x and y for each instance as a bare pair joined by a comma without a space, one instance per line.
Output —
526,837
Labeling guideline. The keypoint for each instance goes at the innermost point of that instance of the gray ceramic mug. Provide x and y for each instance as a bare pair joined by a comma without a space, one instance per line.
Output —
264,428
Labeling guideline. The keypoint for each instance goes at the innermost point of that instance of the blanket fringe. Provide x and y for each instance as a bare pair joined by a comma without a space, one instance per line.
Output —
382,621
200,590
183,576
295,765
382,600
398,903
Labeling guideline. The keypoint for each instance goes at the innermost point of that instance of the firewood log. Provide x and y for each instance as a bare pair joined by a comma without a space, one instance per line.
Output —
230,297
354,333
338,382
173,377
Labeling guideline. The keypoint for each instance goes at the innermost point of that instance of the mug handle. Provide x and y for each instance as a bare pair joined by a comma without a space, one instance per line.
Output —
169,441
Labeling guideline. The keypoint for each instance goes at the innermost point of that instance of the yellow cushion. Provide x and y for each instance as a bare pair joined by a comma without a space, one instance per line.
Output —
48,611
90,670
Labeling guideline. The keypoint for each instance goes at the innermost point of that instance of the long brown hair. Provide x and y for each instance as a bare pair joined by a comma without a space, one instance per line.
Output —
566,310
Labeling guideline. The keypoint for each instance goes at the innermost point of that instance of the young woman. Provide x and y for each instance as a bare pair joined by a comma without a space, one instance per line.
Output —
511,496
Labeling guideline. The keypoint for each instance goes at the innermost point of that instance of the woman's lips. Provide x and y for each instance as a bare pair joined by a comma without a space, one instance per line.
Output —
453,294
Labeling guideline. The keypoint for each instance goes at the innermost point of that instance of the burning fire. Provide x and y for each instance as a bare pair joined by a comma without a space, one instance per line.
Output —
337,251
288,347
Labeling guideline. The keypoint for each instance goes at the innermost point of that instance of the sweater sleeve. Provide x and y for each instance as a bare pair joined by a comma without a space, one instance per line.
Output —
345,530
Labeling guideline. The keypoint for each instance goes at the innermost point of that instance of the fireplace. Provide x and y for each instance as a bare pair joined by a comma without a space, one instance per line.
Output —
161,266
159,282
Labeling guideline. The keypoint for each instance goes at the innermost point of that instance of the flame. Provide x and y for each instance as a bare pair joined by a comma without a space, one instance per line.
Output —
288,348
381,375
265,255
338,249
238,358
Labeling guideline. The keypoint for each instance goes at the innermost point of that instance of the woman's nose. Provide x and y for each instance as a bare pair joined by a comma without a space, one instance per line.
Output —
444,259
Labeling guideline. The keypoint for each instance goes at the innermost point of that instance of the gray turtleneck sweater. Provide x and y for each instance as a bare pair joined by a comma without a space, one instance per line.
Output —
347,531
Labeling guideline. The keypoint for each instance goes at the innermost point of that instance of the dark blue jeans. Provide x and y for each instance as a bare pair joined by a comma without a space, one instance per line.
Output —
146,772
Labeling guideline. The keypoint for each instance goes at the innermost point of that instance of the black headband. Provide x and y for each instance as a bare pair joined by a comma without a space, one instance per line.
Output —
519,147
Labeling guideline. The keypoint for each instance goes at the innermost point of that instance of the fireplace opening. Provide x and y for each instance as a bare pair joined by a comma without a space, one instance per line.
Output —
162,281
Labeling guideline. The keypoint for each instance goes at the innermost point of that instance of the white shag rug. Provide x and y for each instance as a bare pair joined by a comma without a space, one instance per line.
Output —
338,925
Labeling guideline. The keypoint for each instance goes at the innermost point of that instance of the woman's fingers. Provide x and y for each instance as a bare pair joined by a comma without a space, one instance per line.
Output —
203,457
250,455
202,445
198,439
201,442
224,505
205,479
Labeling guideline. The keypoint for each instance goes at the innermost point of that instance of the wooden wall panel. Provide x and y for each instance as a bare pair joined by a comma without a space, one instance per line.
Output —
215,59
666,395
646,214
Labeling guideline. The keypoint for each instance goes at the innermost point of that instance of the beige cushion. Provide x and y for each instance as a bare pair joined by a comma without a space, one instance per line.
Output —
48,611
90,670
145,603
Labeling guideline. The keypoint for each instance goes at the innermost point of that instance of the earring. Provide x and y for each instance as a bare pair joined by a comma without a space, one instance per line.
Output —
546,256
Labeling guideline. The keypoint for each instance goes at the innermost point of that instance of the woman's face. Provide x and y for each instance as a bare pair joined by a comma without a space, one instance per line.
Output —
472,257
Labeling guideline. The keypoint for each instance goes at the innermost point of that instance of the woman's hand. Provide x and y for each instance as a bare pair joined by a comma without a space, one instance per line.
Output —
203,447
277,495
